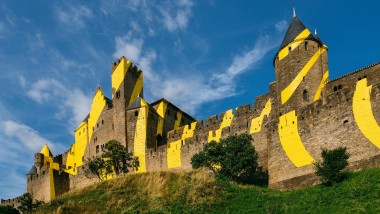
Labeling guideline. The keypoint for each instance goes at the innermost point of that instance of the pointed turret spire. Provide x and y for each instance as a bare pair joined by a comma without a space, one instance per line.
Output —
46,151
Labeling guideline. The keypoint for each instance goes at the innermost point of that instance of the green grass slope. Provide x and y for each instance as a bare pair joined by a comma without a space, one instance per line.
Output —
199,192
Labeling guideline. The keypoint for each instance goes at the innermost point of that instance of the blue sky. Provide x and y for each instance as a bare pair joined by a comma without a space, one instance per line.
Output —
204,56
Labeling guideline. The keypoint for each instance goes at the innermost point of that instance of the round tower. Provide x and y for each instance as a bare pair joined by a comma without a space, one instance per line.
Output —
301,68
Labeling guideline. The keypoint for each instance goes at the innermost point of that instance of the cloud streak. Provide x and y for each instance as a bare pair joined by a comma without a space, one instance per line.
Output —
75,16
73,104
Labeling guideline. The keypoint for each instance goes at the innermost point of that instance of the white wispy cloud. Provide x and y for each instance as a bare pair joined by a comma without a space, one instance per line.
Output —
176,14
75,16
28,137
281,26
246,60
73,104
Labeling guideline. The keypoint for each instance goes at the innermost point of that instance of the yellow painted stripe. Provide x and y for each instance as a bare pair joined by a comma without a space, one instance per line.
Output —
257,122
75,157
321,85
119,73
226,122
174,149
297,41
363,114
174,154
177,122
161,110
52,189
137,89
140,137
291,140
289,90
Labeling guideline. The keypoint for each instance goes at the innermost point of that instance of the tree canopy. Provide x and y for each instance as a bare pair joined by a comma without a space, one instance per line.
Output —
234,156
115,159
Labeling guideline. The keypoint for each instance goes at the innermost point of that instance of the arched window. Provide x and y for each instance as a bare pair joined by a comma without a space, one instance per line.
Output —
305,95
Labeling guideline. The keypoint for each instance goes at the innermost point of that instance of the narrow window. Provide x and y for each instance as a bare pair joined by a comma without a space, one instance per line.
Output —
97,149
305,95
306,48
290,49
136,113
117,94
335,88
102,122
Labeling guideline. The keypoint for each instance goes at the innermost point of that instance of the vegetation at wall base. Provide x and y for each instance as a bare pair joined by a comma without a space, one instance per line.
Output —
199,192
234,157
114,160
8,210
331,169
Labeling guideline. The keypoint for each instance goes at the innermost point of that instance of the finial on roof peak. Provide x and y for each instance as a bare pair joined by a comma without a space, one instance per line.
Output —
294,12
315,31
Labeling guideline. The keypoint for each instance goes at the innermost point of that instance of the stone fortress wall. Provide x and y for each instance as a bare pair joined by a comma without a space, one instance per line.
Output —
302,113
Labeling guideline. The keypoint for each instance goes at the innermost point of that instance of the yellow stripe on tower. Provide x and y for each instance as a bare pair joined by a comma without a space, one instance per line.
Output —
52,189
137,88
119,73
161,112
321,85
84,133
177,122
140,136
174,149
297,41
257,122
289,90
363,114
291,140
226,122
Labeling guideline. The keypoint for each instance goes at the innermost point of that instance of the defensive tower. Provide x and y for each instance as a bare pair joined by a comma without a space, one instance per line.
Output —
301,68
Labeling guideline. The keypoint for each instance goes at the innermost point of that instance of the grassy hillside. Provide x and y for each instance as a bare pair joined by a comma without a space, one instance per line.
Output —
199,192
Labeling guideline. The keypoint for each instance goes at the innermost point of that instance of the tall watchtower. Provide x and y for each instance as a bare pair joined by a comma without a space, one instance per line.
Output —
127,85
300,66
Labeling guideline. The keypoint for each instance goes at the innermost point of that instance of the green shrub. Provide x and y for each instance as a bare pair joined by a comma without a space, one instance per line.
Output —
8,210
234,157
331,169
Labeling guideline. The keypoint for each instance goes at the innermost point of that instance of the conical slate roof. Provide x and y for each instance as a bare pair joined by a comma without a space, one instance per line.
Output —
33,170
296,27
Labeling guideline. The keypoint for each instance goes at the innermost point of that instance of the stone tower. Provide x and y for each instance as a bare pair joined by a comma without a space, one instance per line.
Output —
301,68
127,85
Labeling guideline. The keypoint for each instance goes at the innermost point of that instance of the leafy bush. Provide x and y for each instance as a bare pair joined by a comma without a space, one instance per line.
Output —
27,203
234,157
115,159
331,169
8,209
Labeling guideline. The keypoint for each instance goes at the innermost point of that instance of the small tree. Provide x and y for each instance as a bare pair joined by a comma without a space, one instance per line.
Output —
115,159
331,169
234,156
98,167
27,204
